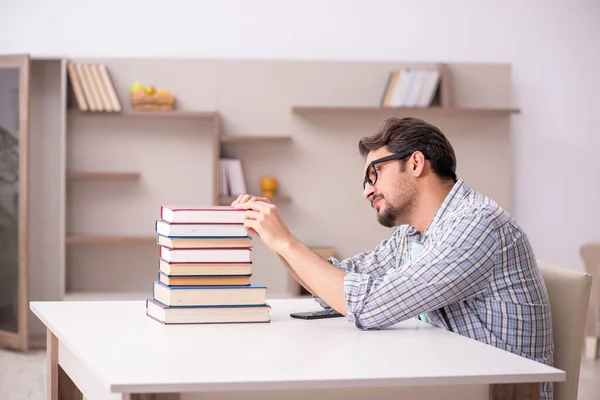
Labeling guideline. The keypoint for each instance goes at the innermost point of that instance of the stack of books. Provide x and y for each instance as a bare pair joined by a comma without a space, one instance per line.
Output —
204,269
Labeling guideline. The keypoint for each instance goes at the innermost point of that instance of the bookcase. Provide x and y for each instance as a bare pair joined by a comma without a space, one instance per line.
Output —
106,173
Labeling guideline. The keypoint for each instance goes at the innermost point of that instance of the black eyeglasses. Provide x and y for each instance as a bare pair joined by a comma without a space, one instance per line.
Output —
371,174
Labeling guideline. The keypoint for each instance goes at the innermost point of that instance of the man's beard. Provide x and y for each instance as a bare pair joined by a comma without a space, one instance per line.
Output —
390,216
398,214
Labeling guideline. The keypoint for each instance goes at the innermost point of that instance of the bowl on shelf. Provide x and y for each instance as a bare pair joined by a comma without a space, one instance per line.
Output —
148,98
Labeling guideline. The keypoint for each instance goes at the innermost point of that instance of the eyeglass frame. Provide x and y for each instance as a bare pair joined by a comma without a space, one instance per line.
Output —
396,156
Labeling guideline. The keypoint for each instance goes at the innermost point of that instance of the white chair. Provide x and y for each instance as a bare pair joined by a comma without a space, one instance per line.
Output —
569,293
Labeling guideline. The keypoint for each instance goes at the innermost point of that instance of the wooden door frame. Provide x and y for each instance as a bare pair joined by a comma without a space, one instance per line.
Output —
20,339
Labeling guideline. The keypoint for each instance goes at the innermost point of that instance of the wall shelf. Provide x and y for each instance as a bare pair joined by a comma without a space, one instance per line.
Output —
151,113
102,176
255,139
109,239
227,200
447,111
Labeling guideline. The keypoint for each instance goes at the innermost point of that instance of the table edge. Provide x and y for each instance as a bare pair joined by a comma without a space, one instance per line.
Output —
336,383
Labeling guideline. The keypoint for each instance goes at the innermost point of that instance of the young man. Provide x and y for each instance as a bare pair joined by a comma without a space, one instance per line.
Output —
455,259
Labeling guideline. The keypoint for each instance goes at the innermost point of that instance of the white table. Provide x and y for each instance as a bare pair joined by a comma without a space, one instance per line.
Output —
112,350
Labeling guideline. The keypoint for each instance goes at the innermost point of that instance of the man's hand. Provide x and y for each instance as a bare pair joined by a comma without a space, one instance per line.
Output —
307,267
244,198
263,218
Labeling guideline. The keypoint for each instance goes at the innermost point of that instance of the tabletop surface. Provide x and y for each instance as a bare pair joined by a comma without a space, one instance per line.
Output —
130,352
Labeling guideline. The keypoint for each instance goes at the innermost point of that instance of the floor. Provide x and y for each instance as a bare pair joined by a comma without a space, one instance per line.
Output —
23,377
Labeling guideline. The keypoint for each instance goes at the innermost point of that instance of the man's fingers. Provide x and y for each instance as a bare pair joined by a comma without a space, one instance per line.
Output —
263,199
246,198
242,198
250,215
250,225
252,205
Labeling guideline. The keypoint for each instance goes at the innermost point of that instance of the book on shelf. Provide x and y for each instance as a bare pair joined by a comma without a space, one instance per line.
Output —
205,268
410,87
93,88
231,177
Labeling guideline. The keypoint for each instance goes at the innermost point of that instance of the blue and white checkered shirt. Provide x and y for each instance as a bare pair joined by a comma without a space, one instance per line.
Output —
475,273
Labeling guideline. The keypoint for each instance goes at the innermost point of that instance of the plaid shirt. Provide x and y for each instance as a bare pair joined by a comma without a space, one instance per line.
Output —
475,275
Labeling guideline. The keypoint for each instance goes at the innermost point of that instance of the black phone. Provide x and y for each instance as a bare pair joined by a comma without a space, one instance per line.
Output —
330,313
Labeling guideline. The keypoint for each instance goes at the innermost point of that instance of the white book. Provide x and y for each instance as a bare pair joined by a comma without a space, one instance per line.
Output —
199,230
209,295
223,178
206,314
235,177
201,215
213,255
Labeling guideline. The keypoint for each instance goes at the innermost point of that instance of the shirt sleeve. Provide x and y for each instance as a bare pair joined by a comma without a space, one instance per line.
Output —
373,262
455,267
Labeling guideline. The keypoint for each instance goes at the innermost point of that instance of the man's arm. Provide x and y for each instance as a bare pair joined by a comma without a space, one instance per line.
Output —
373,262
295,276
457,267
326,280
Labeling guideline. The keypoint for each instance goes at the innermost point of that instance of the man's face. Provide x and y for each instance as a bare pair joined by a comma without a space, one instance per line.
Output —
393,195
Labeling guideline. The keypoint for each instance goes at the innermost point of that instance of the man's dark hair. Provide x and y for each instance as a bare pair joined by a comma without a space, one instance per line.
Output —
412,134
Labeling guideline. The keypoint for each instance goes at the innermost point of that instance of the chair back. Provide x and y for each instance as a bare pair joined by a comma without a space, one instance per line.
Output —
569,293
590,254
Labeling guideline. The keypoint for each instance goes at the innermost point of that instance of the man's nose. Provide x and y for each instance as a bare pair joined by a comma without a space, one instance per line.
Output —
368,191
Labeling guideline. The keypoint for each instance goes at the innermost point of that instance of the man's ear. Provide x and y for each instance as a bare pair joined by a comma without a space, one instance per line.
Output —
416,164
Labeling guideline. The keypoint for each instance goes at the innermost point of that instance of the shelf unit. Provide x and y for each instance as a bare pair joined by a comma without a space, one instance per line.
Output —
287,119
89,241
315,111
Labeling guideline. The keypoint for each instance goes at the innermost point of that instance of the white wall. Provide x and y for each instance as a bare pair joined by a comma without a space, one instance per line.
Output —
554,48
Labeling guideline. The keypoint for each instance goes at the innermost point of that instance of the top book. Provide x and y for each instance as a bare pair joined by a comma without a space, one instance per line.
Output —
201,214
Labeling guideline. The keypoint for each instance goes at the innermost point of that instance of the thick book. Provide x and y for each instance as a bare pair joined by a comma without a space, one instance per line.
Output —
199,269
198,255
206,280
206,315
202,215
177,230
203,242
209,295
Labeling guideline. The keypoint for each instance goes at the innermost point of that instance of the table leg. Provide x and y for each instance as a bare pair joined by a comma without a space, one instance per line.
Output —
515,391
59,385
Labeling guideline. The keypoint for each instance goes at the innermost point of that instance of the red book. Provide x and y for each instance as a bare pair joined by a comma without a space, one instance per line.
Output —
201,215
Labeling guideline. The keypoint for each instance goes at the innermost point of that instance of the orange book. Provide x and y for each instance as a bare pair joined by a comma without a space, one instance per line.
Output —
206,280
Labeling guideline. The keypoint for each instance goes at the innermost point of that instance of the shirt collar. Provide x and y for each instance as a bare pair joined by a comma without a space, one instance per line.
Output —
453,198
